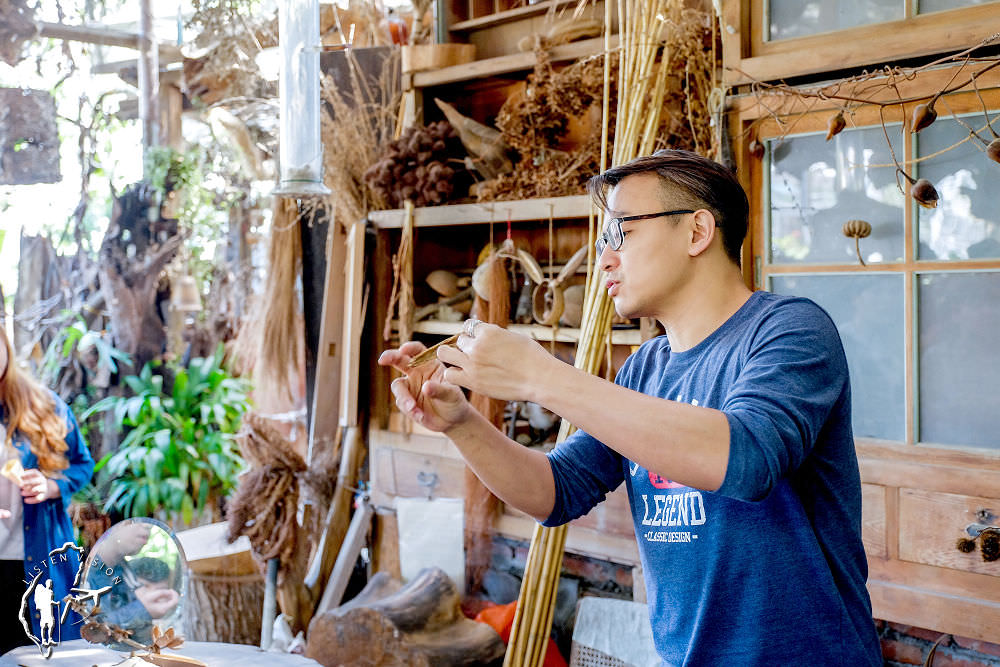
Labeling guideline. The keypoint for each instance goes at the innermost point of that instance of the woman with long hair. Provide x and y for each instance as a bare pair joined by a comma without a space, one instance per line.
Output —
44,461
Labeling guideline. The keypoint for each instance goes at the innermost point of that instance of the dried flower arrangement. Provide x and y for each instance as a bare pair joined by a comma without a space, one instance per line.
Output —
535,123
362,119
424,166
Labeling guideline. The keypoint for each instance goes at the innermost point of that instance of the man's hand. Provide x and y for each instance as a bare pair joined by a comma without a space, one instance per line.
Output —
158,601
423,395
37,488
497,363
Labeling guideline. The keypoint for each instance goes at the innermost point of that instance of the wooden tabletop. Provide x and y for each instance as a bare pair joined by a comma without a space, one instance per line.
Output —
78,653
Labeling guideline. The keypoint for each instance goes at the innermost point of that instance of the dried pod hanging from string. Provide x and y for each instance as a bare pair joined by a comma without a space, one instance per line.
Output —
756,149
922,190
835,125
923,115
924,193
857,230
993,150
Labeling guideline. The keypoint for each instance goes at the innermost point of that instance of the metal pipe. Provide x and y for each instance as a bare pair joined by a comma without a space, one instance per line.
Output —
270,605
300,149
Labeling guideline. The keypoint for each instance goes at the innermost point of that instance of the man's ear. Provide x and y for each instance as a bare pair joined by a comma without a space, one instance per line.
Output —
702,232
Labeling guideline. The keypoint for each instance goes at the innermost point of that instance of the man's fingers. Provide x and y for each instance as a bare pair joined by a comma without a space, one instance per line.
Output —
412,348
456,376
451,355
400,388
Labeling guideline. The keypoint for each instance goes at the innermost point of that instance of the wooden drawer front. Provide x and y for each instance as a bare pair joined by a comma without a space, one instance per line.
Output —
930,523
397,472
873,520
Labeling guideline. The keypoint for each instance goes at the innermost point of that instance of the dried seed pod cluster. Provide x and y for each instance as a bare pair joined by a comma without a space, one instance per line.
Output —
418,167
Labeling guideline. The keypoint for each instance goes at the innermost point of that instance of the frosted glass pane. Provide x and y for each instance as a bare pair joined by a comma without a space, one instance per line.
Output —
795,18
959,358
818,185
868,311
927,6
966,222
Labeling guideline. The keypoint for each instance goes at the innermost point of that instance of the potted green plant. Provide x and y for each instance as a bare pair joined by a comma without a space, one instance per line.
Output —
179,457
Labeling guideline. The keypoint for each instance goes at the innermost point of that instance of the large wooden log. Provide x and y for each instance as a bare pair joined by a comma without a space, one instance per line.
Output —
389,625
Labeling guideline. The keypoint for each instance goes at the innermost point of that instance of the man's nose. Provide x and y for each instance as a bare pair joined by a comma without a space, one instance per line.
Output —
608,259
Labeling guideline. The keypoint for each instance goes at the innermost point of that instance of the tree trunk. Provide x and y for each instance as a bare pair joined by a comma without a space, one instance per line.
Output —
418,625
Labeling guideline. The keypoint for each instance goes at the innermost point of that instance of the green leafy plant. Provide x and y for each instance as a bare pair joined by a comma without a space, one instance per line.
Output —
179,456
76,339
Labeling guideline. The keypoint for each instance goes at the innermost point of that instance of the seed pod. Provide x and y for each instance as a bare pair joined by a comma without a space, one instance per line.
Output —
756,149
923,116
993,150
924,193
857,229
835,125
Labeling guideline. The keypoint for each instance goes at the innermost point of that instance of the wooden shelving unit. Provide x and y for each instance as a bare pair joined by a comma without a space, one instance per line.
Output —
515,62
576,206
508,16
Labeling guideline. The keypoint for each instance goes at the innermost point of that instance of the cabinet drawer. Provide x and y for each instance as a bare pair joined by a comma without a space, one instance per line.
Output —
930,524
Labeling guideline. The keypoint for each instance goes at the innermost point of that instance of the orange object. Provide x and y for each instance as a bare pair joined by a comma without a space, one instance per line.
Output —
501,617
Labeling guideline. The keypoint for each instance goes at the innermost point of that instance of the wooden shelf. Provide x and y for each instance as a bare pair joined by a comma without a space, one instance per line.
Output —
514,62
508,16
539,332
575,206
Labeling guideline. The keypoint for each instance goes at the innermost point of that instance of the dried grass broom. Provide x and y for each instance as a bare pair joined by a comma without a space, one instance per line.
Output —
270,339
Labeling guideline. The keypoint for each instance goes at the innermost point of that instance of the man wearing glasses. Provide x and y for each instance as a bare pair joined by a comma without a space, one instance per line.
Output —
732,432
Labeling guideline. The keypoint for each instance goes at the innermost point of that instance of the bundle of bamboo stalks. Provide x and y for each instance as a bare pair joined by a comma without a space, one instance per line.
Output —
644,61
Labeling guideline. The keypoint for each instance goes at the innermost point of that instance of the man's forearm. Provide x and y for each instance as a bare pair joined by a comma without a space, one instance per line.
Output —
519,476
687,443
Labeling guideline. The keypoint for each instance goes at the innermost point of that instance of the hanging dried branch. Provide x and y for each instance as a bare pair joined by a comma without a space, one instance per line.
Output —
880,89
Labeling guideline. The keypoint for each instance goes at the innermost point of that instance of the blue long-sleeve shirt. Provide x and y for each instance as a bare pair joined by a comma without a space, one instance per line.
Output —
769,569
47,525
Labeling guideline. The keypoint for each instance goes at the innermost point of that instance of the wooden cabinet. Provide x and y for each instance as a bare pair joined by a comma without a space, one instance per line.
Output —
918,318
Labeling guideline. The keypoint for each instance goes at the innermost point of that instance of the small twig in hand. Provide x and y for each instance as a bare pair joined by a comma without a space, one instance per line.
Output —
431,352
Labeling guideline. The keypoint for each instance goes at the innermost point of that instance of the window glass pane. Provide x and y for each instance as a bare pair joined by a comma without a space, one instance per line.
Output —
959,358
966,222
868,311
795,18
818,185
927,6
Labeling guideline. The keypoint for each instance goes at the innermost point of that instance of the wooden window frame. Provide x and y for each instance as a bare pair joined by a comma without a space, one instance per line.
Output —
748,57
936,593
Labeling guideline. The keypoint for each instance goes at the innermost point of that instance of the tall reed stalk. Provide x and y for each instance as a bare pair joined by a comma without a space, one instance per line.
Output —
644,63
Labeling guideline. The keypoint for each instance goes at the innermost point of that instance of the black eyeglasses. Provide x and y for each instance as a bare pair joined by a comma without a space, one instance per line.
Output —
613,236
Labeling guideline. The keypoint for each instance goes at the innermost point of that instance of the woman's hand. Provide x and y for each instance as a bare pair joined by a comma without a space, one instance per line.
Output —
158,601
37,488
422,394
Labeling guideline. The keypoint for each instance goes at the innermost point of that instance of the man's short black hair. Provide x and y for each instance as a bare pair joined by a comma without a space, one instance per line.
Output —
150,569
700,182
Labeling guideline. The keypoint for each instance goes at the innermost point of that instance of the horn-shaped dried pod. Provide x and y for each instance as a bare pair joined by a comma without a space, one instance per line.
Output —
924,193
993,150
923,115
835,125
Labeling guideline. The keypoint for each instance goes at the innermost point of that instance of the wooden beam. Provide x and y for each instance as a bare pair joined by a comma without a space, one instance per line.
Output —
90,34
